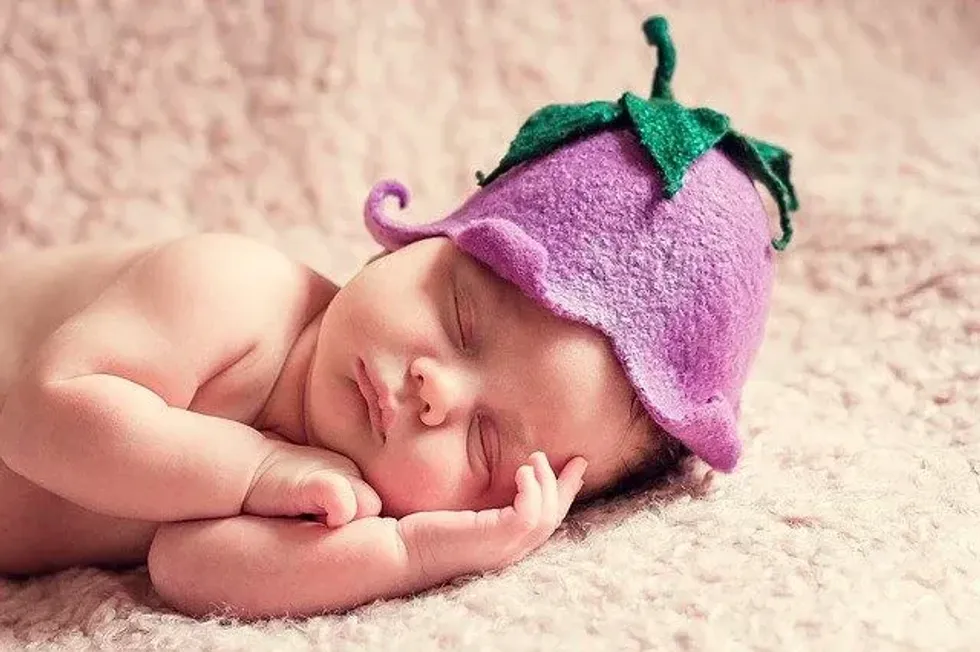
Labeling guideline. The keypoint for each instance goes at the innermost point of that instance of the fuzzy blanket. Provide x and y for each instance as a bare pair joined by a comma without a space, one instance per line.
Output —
852,524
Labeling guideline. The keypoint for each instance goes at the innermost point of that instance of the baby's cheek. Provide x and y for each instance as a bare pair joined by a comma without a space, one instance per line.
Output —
414,486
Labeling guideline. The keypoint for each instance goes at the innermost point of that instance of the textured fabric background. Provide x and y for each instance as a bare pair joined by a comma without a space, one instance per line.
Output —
853,523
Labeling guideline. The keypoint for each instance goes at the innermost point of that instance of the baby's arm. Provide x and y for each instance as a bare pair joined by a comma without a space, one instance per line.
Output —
259,567
256,567
101,417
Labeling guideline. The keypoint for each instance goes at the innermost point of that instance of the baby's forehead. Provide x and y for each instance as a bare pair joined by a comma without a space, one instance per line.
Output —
582,388
570,355
568,370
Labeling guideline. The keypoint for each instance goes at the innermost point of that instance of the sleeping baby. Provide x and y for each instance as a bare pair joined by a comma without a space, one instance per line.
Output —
271,444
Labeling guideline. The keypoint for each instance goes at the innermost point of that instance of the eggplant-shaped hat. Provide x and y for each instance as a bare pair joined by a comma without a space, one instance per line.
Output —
639,218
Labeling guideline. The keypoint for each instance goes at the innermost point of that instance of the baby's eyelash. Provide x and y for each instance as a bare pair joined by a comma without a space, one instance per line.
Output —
485,444
459,317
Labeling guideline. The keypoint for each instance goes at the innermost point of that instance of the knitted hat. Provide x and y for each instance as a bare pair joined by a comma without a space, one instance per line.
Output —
640,219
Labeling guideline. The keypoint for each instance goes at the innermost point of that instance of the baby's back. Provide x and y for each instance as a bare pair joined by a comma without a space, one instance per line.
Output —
40,289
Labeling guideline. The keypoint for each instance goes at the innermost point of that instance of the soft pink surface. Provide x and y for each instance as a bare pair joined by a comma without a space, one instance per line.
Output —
853,523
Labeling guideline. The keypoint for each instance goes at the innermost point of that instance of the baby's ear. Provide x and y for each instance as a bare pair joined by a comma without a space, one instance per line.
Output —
377,256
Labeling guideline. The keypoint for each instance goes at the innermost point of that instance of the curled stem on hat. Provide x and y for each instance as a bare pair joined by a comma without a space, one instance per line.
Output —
657,32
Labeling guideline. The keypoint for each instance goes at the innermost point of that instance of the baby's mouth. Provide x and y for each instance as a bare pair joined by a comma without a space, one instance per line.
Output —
370,394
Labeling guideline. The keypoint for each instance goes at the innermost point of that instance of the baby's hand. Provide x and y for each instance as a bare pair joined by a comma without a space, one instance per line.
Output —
447,544
298,480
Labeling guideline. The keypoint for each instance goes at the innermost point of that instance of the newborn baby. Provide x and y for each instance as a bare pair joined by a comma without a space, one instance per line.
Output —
272,444
211,377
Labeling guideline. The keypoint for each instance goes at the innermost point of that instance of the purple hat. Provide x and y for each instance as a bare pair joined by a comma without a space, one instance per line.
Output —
640,219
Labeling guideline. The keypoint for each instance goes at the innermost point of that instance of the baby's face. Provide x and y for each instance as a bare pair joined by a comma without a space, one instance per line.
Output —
439,379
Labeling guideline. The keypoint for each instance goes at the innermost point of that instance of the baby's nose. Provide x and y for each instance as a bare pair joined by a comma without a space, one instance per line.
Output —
438,389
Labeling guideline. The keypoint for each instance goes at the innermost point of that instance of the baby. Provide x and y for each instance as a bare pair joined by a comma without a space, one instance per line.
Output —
271,444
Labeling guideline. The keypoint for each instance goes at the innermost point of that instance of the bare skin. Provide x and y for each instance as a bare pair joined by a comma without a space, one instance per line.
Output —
40,291
43,531
181,403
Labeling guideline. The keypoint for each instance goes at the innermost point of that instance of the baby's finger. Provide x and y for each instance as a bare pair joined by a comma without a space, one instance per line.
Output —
368,500
570,483
527,504
336,497
549,484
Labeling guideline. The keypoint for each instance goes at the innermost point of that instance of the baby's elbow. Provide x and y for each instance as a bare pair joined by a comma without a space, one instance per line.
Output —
174,576
164,575
197,578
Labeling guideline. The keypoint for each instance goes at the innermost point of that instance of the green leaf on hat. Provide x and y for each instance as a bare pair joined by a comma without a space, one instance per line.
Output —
771,166
674,136
778,160
551,127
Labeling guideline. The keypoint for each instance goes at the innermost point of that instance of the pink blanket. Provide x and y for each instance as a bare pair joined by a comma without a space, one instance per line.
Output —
853,523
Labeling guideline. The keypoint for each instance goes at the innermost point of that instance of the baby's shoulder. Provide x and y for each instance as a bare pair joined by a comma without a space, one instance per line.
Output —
215,255
235,277
237,265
